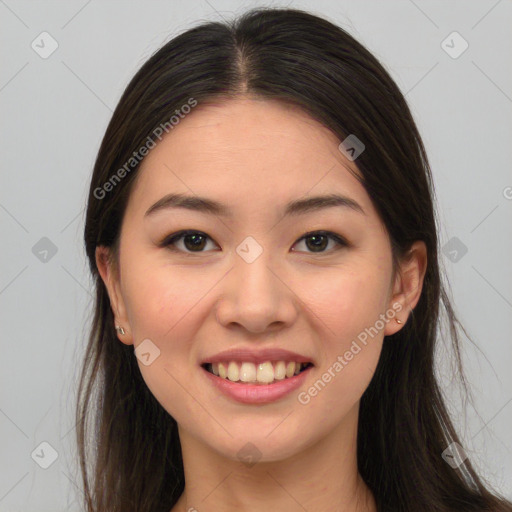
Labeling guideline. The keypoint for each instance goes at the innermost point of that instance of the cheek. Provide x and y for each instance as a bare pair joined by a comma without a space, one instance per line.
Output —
347,307
169,304
346,301
159,298
166,305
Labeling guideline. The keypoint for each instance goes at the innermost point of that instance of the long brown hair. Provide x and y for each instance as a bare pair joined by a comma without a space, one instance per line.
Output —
129,449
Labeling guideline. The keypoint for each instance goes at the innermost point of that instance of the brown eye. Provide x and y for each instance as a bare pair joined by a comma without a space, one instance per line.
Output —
196,241
193,241
317,241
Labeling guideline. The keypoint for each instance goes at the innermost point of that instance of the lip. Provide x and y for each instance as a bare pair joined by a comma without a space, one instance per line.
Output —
257,393
257,356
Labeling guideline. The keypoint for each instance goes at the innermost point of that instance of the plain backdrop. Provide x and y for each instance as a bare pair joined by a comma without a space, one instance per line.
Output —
54,111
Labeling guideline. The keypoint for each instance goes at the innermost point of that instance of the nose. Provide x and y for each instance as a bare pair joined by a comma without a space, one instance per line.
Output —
256,297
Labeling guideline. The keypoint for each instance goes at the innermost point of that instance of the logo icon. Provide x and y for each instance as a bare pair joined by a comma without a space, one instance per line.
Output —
454,249
249,249
44,455
44,250
147,352
351,147
454,45
44,45
249,455
454,455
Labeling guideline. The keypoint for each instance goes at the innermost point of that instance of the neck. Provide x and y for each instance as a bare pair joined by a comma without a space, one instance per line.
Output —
324,477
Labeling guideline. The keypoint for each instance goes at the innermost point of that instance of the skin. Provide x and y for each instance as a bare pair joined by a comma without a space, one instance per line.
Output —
256,155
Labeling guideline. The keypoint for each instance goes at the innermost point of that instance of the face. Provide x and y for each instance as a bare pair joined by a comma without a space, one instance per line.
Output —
246,278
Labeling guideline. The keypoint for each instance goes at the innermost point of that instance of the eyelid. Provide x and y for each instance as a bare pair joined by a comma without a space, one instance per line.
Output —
169,240
329,234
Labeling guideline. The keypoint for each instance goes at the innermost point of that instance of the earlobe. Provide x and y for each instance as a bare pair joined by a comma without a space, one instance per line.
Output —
110,276
397,315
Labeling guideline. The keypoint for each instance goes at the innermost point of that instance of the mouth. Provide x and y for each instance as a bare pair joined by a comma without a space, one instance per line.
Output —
265,373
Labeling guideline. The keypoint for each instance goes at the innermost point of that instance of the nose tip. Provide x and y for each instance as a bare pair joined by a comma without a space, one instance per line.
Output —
255,298
254,320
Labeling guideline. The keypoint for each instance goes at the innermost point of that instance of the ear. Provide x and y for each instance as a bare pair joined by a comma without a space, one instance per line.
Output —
407,286
110,274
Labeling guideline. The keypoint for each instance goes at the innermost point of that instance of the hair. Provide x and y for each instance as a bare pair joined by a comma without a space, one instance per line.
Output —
295,57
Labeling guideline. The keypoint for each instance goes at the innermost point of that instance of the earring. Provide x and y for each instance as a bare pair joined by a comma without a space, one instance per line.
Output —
119,329
398,321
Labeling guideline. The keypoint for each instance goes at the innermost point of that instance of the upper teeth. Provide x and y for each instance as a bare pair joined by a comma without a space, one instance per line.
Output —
263,372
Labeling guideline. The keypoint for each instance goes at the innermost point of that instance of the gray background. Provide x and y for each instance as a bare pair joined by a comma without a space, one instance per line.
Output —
54,112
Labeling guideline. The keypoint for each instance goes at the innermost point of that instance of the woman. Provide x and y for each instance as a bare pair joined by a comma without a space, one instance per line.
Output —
262,233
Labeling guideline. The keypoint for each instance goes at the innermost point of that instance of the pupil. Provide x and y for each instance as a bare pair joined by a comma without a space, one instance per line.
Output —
196,241
316,245
318,242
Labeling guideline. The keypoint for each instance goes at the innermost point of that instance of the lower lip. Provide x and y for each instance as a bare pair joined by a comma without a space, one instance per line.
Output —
257,393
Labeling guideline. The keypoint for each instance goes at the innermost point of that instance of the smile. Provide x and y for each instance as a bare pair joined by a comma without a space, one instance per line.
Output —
262,373
252,390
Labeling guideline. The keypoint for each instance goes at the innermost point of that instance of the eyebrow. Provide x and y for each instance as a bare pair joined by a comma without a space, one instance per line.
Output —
210,206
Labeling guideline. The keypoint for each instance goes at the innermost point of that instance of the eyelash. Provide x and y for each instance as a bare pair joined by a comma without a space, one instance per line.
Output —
170,240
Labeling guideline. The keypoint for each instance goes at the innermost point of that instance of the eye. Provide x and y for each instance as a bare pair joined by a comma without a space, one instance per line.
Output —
194,241
319,240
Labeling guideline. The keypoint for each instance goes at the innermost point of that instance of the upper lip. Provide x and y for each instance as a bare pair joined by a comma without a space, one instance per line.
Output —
256,356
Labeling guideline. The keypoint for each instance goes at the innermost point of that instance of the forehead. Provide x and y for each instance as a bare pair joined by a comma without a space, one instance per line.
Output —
238,129
248,151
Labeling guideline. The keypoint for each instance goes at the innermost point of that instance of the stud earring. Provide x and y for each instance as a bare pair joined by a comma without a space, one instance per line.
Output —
119,329
398,321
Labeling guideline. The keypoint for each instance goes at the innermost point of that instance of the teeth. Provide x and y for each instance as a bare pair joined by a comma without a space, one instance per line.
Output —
233,371
280,370
264,373
247,372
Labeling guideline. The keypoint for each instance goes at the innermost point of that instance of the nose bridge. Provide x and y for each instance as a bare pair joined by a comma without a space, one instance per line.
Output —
253,270
253,295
